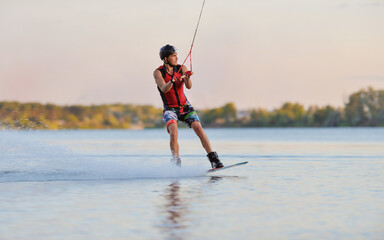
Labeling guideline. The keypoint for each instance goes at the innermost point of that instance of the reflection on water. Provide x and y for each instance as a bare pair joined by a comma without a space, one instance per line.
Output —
214,179
174,211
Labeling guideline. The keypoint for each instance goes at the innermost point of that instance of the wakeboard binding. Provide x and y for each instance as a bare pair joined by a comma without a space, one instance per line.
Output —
214,159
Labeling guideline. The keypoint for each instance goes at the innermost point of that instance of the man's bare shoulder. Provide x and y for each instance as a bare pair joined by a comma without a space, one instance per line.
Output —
157,75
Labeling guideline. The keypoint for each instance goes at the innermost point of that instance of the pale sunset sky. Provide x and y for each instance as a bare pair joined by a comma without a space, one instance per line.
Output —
251,52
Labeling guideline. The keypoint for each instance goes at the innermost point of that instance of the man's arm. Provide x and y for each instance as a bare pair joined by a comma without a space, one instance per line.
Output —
187,80
164,87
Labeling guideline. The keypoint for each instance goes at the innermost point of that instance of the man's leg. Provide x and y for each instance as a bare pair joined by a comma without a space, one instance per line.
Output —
212,156
196,126
170,118
174,144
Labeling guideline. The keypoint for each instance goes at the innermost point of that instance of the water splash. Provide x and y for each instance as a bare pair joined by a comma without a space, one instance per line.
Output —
31,156
101,171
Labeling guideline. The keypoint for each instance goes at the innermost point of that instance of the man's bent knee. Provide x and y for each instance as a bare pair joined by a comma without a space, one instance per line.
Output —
172,126
196,126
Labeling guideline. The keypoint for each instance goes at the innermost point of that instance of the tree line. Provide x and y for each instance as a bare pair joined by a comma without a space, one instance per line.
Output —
364,108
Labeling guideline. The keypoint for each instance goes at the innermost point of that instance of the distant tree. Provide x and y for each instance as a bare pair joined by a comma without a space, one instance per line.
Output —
229,113
289,115
259,118
365,108
221,116
327,116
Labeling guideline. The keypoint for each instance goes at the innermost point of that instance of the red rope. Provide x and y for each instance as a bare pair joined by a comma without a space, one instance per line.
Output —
190,59
193,40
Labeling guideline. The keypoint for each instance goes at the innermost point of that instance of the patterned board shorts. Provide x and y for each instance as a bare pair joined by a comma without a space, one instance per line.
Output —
185,114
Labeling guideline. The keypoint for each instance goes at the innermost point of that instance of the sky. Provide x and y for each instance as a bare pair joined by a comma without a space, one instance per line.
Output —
253,53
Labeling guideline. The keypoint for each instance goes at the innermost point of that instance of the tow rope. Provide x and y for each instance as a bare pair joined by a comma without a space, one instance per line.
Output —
188,73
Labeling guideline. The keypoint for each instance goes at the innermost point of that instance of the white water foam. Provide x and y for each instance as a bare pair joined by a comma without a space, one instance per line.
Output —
98,170
25,157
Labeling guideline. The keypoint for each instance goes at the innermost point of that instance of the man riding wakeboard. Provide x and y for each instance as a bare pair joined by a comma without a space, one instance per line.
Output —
170,79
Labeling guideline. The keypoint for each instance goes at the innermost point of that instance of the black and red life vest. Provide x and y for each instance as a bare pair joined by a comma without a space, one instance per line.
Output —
175,97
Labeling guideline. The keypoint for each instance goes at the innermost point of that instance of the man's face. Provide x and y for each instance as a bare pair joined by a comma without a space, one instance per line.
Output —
172,59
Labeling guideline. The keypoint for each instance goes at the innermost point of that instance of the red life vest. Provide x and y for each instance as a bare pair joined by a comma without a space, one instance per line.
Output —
175,97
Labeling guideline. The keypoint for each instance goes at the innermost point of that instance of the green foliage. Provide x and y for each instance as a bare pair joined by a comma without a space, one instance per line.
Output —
259,118
225,115
364,108
14,115
289,115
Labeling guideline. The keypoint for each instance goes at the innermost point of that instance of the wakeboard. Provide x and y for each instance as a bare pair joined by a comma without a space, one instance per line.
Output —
226,167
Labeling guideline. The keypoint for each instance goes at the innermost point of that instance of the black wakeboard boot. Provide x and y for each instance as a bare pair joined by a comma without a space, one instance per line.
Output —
214,159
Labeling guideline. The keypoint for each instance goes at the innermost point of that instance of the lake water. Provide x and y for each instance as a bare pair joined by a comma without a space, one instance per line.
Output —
118,184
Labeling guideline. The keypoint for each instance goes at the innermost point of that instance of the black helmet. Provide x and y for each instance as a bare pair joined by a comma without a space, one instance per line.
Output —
166,51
